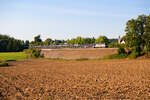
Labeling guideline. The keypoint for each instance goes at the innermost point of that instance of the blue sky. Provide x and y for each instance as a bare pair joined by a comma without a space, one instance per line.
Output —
63,19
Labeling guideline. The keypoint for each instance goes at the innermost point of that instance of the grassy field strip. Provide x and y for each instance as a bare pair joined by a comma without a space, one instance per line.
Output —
12,56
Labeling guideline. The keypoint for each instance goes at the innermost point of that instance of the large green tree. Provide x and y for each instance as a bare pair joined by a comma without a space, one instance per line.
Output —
48,41
138,33
37,40
146,36
9,44
102,39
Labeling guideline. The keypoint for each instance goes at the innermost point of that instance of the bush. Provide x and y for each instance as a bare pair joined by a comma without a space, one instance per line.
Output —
33,53
3,63
115,56
121,51
134,55
136,52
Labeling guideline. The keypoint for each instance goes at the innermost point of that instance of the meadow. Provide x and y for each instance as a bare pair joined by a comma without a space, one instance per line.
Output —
12,56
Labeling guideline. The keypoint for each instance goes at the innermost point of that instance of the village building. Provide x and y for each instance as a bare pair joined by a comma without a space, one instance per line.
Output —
120,41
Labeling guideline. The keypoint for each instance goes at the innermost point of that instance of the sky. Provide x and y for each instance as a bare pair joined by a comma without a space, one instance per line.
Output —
65,19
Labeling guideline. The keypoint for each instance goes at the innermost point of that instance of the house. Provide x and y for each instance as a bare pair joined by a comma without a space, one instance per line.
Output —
120,41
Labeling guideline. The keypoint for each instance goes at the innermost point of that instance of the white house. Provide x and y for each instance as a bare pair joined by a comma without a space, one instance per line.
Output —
120,41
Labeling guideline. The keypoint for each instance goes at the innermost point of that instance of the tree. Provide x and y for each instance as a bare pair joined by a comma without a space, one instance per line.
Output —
102,39
27,42
137,36
79,40
146,36
9,44
89,40
92,40
37,39
48,41
3,45
147,25
134,31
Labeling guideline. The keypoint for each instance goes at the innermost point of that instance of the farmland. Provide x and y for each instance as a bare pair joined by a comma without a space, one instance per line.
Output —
74,50
43,79
78,53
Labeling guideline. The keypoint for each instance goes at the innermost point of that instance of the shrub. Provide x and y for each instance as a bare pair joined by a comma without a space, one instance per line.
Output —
33,53
136,52
134,55
121,51
115,56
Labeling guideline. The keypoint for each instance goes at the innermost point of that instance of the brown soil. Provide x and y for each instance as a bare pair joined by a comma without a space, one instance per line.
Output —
75,80
78,53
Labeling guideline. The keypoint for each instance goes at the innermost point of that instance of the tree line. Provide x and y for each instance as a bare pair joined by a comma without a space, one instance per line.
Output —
9,44
77,40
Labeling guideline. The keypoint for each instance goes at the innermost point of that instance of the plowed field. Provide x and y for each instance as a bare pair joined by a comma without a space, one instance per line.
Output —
78,53
75,80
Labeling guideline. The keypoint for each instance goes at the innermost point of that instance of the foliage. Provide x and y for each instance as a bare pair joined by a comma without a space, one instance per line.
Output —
121,54
81,40
37,39
115,56
102,39
48,41
27,42
137,36
121,51
12,56
113,45
9,44
146,38
132,37
33,53
78,40
135,53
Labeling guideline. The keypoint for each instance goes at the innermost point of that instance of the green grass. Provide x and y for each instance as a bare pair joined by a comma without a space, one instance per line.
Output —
12,56
114,56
